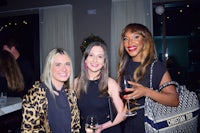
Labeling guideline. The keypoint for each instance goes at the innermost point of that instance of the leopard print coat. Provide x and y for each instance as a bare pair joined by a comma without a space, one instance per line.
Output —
34,111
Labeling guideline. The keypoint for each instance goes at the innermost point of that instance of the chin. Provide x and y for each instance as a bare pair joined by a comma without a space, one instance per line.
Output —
64,79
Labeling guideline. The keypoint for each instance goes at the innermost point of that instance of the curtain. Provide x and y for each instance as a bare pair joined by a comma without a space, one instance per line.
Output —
124,12
56,30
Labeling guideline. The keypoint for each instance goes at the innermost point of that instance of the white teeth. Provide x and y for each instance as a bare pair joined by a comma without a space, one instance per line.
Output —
94,65
131,48
63,74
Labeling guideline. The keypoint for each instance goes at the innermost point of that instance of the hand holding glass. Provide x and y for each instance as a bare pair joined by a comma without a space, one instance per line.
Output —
91,124
127,85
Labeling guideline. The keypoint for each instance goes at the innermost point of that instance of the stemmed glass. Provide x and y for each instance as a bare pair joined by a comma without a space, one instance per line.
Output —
127,85
91,124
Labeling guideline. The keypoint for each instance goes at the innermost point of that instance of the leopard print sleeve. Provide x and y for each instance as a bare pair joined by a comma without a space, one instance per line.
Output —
75,124
34,109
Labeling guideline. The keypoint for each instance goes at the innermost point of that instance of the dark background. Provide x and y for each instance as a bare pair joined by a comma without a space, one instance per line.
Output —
27,35
182,40
182,35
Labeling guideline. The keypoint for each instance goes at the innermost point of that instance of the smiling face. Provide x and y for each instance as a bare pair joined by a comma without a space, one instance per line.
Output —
95,61
61,70
133,44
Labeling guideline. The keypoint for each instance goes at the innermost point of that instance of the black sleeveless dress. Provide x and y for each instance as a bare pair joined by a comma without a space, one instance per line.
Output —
135,124
91,103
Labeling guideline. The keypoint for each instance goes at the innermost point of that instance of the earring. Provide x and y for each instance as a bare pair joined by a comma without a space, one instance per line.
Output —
86,66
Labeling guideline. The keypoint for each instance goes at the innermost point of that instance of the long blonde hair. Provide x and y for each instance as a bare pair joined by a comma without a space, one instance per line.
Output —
10,69
46,76
148,53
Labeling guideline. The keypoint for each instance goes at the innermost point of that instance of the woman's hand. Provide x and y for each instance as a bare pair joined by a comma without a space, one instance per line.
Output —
99,128
168,95
137,91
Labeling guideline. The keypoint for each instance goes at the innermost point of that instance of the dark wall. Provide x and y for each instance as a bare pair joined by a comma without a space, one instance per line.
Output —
27,4
84,23
27,36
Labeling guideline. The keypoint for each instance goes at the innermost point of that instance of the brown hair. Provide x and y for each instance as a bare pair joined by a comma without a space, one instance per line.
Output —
83,81
11,71
148,53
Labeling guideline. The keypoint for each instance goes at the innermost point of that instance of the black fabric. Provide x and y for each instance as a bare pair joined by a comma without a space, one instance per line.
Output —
3,83
91,103
11,122
135,124
27,72
4,88
28,75
59,114
112,109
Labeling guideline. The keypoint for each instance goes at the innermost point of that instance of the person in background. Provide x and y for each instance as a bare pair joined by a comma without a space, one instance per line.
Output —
93,86
137,52
51,104
11,79
12,46
11,85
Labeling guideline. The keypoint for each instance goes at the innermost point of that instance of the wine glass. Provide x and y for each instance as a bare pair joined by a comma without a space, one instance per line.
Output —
127,85
91,124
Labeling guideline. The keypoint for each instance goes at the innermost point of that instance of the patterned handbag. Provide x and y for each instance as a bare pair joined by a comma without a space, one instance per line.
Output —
165,119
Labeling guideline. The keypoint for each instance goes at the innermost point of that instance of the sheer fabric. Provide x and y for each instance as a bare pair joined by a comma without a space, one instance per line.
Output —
124,12
56,30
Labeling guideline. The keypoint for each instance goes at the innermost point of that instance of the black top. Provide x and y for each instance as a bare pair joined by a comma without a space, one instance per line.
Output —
4,88
28,76
135,124
59,114
91,103
27,72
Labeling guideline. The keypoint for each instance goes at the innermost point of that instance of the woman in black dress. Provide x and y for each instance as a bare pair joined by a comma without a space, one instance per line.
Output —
137,52
93,86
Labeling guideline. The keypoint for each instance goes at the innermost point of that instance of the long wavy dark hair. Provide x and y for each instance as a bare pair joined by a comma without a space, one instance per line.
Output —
46,76
147,56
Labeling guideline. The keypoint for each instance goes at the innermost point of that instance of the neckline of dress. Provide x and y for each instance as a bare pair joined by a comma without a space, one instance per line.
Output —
62,89
94,80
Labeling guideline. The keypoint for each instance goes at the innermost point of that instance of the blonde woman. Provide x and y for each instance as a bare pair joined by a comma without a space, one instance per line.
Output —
50,105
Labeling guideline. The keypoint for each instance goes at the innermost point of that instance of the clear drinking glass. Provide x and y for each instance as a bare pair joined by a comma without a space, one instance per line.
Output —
3,98
91,124
127,102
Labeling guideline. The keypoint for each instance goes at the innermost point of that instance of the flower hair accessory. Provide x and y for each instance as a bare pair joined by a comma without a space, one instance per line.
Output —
88,40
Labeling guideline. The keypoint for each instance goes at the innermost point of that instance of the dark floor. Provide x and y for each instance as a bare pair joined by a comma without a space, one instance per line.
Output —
10,123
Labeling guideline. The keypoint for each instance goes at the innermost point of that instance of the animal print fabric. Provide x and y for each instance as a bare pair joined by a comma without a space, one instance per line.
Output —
34,110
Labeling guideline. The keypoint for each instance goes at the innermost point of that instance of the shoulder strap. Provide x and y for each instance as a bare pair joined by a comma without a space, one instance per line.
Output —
176,84
163,85
169,83
151,74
